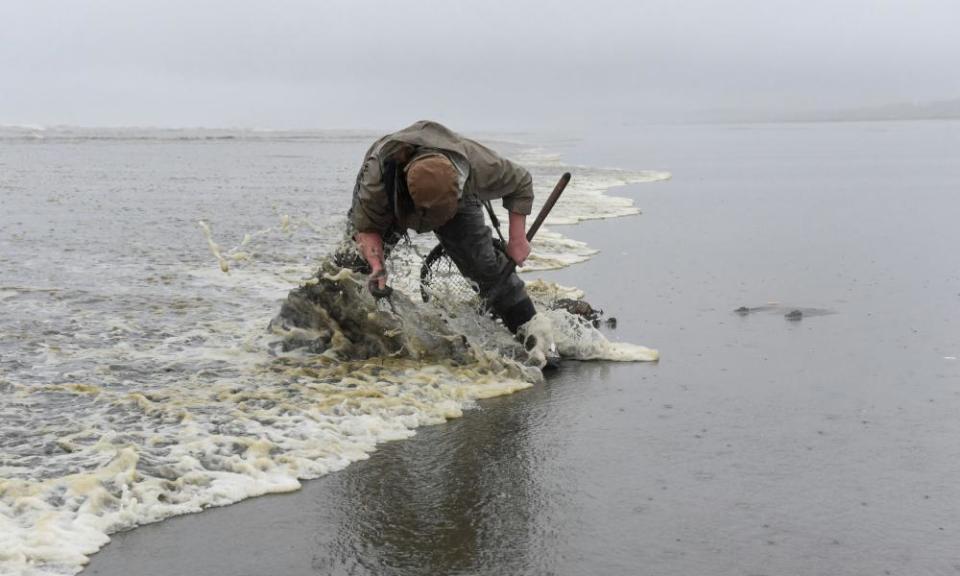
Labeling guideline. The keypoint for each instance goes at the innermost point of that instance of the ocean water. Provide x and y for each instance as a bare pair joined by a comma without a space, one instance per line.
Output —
139,271
758,445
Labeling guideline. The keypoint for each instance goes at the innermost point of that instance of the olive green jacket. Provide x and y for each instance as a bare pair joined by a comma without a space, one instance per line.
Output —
491,175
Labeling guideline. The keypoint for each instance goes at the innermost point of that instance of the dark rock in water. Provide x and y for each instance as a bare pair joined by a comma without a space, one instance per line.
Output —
553,363
612,322
789,313
580,308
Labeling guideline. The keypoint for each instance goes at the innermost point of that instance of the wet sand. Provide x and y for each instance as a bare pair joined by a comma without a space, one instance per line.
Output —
757,445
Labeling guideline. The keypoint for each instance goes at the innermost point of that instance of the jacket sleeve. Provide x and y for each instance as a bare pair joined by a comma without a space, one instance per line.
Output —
520,200
371,207
497,177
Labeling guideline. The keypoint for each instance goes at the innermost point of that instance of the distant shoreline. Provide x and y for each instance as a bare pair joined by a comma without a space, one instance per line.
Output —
898,112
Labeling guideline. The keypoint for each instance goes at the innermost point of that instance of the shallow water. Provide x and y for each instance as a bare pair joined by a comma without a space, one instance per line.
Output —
140,271
756,446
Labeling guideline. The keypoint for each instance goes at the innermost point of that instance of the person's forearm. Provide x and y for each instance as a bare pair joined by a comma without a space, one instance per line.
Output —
517,226
371,248
517,247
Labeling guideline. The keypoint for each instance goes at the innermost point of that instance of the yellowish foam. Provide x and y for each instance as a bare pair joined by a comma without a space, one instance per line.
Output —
302,417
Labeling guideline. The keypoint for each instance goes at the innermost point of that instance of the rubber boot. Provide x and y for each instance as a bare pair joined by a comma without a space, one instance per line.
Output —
517,315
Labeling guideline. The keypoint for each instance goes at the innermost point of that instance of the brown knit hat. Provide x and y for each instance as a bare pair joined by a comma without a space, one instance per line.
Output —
433,183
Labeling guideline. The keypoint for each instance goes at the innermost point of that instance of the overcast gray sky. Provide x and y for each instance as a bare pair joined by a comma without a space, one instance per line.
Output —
480,64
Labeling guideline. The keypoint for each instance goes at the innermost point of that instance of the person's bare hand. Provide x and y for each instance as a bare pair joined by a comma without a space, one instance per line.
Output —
377,284
370,245
518,250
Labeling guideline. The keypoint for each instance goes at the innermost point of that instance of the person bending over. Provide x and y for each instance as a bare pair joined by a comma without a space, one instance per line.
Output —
428,178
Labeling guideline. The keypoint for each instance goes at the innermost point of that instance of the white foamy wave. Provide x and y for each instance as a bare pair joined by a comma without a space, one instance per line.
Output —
551,250
578,340
152,388
549,292
575,339
585,198
215,444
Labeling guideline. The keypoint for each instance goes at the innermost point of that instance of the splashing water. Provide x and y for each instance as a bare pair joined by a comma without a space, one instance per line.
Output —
139,382
344,377
334,316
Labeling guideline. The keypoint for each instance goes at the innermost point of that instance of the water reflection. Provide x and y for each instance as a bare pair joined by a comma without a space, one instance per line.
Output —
463,499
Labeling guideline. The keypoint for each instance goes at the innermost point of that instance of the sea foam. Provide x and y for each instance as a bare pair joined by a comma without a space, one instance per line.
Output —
156,389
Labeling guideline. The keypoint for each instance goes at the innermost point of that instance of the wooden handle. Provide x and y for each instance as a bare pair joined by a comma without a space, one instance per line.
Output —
548,205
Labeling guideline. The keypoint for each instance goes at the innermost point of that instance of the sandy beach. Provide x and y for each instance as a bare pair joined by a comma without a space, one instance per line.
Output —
757,445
